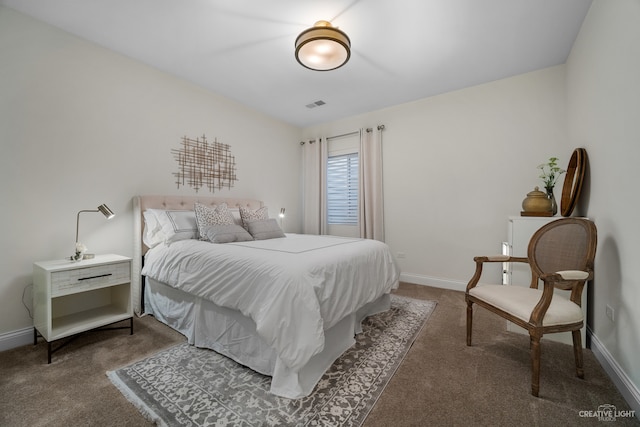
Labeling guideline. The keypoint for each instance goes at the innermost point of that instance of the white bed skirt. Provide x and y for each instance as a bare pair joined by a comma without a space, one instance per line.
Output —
228,332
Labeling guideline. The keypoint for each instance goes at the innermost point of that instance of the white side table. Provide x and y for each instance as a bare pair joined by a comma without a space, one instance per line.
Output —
73,297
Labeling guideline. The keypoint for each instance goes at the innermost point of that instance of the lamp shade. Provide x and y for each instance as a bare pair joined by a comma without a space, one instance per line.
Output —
106,211
323,47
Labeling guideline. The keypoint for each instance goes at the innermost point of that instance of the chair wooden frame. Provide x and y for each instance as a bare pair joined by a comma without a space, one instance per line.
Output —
573,279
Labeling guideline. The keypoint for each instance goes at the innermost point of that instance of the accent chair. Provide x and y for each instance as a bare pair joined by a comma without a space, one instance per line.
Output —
561,256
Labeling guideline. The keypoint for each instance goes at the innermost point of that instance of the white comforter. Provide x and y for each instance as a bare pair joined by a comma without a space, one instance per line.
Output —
293,287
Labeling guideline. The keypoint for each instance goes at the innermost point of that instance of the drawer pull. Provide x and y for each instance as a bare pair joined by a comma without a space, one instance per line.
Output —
95,277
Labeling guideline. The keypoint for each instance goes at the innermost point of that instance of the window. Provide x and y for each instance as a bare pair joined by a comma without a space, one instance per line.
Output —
342,189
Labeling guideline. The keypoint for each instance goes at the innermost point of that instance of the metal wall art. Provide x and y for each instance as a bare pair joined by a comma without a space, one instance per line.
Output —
201,164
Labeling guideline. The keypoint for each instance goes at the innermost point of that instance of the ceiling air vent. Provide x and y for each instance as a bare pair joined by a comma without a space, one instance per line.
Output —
316,104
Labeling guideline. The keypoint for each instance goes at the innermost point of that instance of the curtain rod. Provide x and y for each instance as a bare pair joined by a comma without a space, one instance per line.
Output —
380,128
343,135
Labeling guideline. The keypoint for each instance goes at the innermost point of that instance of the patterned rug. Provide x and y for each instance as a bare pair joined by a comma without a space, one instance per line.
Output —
185,385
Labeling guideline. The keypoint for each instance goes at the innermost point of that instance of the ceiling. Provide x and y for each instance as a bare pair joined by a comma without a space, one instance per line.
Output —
401,51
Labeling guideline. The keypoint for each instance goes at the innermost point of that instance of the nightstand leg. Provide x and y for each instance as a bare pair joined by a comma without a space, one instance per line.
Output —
35,336
131,320
48,353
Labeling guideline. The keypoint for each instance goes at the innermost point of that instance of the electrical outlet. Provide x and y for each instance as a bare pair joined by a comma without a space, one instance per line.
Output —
611,313
401,255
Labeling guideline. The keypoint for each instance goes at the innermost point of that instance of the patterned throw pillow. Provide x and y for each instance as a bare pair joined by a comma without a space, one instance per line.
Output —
207,216
248,215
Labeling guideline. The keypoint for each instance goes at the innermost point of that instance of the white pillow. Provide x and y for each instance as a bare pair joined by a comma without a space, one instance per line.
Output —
235,213
152,235
170,226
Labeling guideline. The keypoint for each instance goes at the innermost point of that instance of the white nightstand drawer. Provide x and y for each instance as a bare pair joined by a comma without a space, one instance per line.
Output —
81,279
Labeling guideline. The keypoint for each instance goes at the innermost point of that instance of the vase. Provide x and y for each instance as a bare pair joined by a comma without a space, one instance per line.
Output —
536,202
554,204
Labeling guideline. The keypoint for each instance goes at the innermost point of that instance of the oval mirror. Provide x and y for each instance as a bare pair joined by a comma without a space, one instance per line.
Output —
573,181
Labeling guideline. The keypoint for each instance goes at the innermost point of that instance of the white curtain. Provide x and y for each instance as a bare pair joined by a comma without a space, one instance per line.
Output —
314,160
371,198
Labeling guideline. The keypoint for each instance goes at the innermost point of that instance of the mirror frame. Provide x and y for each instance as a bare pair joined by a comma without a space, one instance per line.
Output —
573,181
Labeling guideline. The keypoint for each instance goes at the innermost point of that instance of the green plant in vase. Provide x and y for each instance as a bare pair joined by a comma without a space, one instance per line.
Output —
550,174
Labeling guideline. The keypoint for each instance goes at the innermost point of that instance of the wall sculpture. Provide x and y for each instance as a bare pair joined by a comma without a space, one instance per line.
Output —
203,164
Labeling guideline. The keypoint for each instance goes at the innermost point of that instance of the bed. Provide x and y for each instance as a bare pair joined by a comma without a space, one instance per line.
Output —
285,306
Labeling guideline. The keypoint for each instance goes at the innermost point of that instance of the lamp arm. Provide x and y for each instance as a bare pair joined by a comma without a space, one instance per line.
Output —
78,221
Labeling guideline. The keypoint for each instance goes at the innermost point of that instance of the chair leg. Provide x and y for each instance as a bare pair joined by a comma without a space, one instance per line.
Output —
577,352
535,364
469,321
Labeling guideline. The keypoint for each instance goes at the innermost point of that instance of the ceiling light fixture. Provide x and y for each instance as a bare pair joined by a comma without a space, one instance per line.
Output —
323,47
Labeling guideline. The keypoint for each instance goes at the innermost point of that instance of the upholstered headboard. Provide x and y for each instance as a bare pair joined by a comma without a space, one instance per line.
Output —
141,203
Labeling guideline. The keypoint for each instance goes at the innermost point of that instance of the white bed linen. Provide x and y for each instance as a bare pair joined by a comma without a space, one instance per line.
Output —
207,325
227,331
293,288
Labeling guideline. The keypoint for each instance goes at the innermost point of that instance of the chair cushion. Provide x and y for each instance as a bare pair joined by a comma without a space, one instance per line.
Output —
520,302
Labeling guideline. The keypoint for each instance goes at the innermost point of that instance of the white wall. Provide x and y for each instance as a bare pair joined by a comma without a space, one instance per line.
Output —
458,164
81,126
603,74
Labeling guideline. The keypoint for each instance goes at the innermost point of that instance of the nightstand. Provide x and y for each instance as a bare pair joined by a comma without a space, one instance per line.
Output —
73,297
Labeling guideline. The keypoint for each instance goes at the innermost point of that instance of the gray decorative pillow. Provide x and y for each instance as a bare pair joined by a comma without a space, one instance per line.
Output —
263,229
226,233
247,215
206,216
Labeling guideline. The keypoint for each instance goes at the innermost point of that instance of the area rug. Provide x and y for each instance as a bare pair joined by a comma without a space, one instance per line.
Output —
185,385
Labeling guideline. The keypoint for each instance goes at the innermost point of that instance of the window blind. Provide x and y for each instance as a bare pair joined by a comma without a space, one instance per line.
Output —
342,189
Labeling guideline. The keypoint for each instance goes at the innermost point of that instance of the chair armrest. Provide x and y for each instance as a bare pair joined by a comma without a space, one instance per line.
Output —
568,280
572,280
539,311
567,276
480,260
574,274
500,258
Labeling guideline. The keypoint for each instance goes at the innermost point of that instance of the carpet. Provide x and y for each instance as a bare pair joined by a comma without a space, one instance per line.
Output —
185,385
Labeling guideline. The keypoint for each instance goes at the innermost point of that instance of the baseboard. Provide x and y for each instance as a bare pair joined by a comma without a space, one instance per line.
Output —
15,339
621,380
436,282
